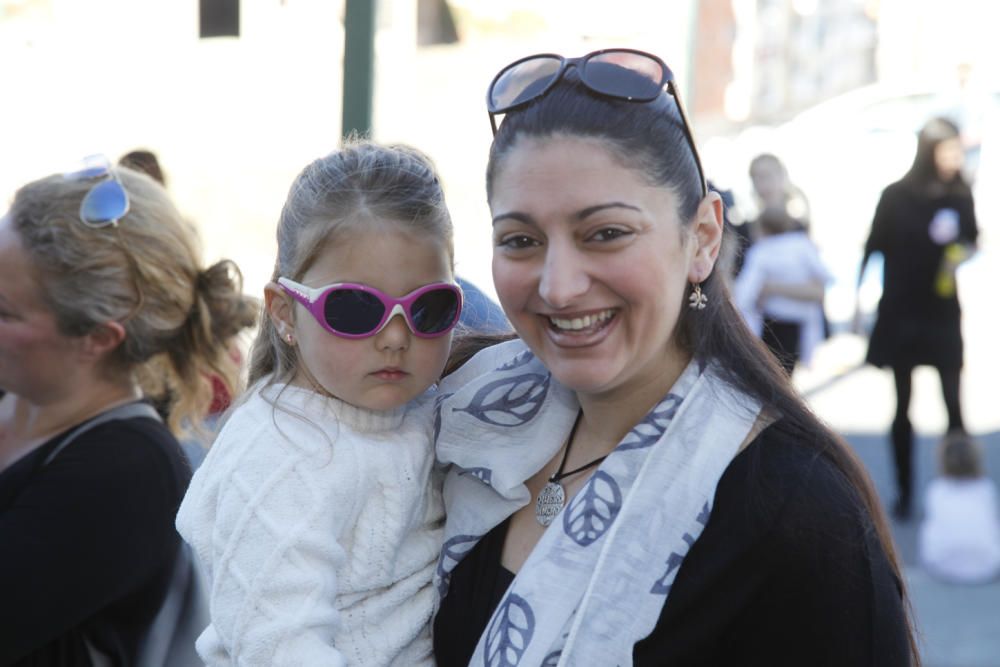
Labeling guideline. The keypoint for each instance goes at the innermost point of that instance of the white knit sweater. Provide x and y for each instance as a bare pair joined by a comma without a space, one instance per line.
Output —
319,525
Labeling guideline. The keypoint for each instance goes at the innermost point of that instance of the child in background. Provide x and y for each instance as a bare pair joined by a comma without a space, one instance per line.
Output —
960,536
315,512
780,288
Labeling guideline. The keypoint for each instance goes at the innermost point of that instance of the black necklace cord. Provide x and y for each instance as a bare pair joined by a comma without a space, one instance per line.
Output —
559,474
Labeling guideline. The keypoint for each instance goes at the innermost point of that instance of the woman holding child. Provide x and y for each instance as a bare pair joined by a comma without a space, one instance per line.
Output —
635,481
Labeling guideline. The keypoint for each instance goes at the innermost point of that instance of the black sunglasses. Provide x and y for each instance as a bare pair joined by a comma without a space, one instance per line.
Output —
527,79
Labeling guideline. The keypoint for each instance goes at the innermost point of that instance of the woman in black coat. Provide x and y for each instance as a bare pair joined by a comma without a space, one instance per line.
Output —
924,226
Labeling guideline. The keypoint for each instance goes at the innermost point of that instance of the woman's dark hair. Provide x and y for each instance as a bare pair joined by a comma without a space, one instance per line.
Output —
649,138
923,174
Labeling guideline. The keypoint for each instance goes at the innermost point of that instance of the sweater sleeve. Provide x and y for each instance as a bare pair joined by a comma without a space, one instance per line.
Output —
263,514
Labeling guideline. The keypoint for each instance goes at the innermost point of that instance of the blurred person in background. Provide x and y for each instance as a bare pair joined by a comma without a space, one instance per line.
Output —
635,481
924,227
144,161
773,188
959,539
781,287
99,276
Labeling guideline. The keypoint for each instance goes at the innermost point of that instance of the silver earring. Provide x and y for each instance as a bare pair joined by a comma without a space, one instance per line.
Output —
697,300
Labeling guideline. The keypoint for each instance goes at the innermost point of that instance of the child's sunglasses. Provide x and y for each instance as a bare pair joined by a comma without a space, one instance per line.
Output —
107,201
529,78
352,310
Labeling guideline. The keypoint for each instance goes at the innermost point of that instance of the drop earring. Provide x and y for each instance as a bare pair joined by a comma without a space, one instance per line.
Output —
697,300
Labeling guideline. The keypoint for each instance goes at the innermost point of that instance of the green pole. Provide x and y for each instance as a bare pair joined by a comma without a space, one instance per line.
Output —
359,66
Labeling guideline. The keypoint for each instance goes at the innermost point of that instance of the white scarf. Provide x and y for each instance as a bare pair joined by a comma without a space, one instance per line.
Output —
596,582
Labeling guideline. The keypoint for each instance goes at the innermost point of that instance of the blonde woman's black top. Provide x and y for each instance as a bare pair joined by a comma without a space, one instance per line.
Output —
87,543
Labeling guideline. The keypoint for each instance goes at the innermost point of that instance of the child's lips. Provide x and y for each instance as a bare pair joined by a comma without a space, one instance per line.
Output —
390,374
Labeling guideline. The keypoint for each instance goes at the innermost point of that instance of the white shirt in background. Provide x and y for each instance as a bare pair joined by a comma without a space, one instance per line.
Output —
959,539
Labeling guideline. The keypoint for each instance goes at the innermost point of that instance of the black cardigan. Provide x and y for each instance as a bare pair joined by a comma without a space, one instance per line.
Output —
87,543
788,571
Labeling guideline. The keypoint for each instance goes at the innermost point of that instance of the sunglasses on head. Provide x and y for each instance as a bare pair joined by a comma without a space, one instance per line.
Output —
622,74
107,201
352,310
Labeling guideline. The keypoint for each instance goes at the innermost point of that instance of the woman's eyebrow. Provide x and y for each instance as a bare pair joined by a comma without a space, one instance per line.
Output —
514,215
590,210
580,215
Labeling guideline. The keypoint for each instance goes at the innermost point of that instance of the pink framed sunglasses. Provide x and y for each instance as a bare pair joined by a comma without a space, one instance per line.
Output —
353,310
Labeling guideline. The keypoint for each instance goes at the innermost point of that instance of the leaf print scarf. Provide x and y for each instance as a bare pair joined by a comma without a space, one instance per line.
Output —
597,580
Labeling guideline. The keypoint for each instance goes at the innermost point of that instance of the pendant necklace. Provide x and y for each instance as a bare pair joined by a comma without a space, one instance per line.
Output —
552,498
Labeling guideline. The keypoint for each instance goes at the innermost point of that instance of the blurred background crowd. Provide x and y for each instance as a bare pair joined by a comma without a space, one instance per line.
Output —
233,97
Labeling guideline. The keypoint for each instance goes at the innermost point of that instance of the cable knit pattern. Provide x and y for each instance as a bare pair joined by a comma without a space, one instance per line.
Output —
318,524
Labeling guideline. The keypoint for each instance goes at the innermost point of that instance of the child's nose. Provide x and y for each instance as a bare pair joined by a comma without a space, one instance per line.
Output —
395,335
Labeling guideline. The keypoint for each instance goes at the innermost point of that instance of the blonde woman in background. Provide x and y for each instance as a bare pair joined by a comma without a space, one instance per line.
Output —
99,277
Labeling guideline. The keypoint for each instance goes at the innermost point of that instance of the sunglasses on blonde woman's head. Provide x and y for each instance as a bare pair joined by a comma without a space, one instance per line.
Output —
107,201
353,310
622,74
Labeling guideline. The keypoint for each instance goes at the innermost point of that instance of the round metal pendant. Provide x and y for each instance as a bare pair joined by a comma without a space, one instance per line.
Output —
550,502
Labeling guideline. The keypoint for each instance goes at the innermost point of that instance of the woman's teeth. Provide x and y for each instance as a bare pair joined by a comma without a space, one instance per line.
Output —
581,323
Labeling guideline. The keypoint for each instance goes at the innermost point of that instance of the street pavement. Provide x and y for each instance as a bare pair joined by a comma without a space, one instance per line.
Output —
958,625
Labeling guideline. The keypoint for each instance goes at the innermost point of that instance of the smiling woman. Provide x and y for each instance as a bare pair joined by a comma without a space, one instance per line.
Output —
706,516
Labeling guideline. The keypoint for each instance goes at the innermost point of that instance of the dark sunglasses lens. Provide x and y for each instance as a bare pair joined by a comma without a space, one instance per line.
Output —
624,74
106,203
522,82
434,311
353,311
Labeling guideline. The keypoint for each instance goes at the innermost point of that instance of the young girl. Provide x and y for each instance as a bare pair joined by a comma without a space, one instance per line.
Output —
315,512
960,535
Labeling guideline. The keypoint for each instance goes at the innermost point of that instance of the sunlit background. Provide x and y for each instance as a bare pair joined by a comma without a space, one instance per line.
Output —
836,88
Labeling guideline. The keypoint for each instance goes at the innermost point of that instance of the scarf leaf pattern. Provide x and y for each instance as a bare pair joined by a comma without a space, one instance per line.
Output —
652,427
593,509
518,361
654,489
509,401
453,550
484,475
663,584
509,634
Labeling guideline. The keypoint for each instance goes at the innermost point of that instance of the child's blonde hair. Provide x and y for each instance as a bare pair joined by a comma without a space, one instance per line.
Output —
361,185
960,456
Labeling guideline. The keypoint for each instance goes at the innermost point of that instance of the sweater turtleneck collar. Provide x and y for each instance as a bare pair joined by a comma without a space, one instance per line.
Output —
310,403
